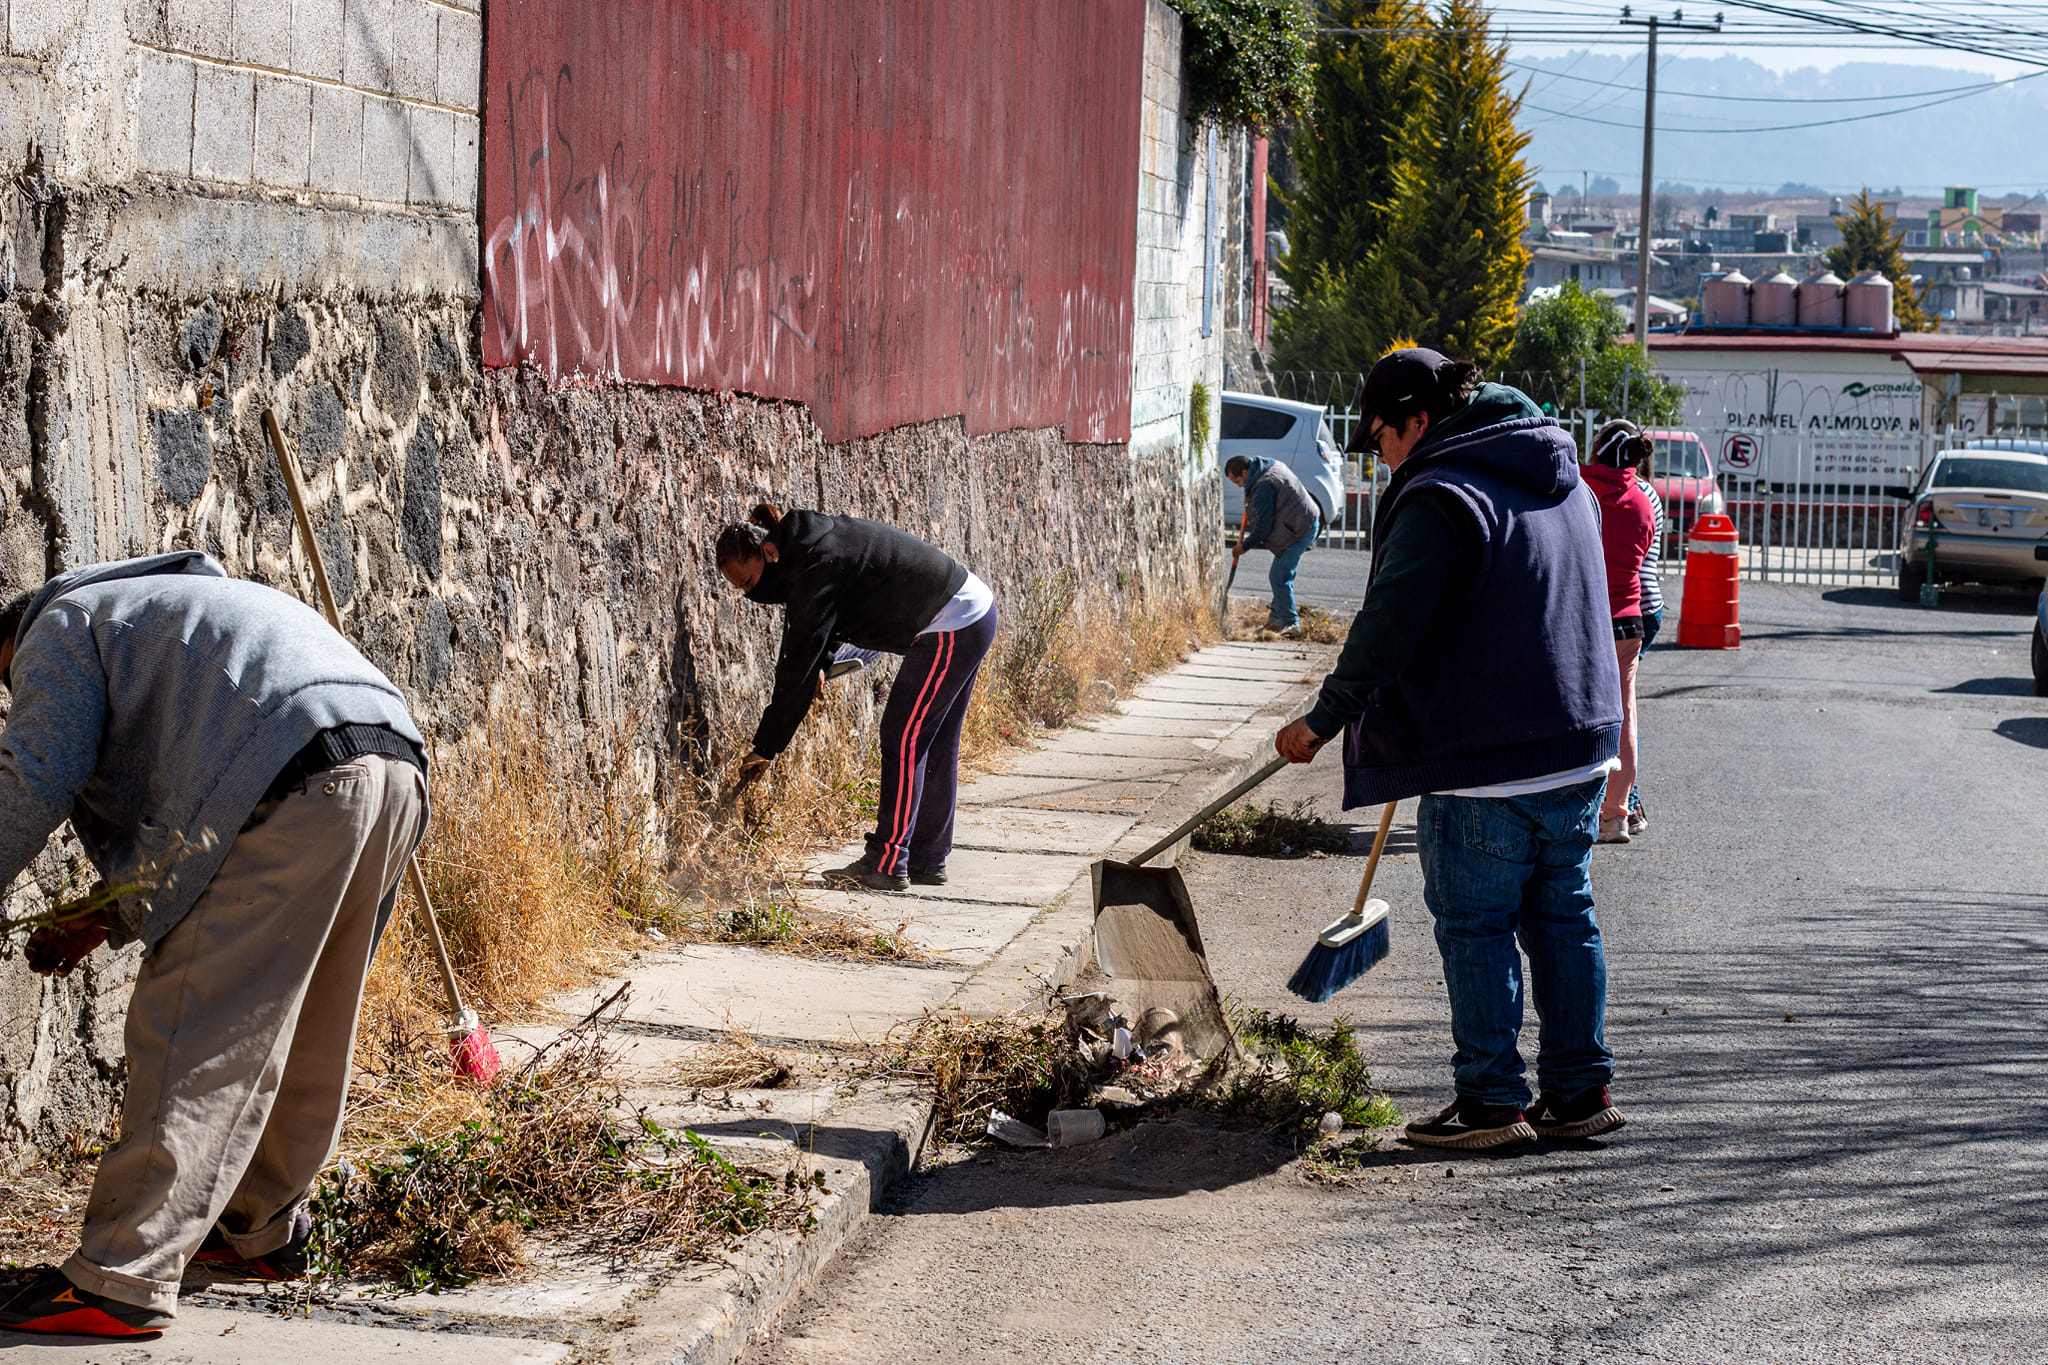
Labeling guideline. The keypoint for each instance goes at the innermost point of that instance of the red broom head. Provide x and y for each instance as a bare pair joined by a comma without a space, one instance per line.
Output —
473,1054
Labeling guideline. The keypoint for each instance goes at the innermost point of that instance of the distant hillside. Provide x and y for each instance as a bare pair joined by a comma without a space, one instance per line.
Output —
1992,140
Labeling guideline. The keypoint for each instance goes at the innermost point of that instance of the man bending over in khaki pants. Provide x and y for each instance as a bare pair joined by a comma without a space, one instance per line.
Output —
219,744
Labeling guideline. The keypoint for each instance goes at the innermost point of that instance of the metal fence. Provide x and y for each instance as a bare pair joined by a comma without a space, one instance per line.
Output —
1818,509
1807,509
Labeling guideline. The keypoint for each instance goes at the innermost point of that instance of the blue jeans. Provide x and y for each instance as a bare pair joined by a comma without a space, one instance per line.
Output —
1283,615
1498,868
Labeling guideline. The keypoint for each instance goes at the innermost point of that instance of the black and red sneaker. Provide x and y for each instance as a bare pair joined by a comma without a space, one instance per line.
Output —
1472,1127
51,1303
288,1262
1586,1114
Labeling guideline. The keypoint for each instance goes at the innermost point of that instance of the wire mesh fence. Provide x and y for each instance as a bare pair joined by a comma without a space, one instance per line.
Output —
1815,508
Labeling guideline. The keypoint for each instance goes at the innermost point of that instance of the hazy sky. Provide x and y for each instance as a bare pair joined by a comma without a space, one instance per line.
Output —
1766,73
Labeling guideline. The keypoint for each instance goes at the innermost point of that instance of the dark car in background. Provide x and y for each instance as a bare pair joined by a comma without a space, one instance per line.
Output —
1977,515
1684,479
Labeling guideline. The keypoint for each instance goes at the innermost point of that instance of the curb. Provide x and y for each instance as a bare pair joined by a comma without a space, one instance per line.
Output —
711,1317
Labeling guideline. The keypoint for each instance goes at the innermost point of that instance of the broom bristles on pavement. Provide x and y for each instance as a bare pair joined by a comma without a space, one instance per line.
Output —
1327,970
475,1056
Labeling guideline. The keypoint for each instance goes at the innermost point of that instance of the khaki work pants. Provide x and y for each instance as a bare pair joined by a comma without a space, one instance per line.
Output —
240,1032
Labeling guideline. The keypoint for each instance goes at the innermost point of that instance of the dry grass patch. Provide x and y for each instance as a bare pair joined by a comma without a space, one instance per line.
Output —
1246,620
1060,655
442,1184
733,1062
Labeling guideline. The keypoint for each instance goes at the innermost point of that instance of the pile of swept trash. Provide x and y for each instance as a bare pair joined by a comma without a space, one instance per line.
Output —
1132,1066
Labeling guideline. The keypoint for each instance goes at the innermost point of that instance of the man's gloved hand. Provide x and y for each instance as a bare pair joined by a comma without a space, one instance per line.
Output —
55,949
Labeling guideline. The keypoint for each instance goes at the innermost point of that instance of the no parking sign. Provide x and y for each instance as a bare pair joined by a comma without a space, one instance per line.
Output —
1740,452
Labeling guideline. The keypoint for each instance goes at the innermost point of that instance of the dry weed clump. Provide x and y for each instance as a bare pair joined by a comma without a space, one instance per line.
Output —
1060,655
1023,1064
1246,620
734,1061
441,1184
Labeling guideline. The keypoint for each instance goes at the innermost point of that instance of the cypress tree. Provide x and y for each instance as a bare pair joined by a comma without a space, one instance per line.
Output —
1366,90
1868,243
1367,87
1448,267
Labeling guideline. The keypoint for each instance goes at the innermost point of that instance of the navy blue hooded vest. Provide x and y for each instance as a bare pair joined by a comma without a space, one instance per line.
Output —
1516,678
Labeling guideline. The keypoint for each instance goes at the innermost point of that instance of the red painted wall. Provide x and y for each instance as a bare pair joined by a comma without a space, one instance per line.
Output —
891,210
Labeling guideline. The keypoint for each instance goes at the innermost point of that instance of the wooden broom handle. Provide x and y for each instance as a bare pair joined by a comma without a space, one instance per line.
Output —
288,463
1372,864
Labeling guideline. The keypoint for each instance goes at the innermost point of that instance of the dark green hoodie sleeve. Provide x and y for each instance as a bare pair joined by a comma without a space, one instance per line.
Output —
1431,556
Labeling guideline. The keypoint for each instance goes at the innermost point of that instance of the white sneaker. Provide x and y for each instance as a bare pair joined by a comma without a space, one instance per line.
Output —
1637,823
1614,831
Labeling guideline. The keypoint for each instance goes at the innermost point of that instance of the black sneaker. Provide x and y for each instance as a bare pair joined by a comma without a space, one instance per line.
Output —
935,875
862,873
1472,1127
1586,1114
288,1262
51,1303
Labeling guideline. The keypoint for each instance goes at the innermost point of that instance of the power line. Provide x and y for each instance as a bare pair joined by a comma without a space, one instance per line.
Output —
1774,127
1781,99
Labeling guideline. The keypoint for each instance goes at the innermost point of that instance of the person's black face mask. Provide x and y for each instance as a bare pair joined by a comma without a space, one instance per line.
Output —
770,590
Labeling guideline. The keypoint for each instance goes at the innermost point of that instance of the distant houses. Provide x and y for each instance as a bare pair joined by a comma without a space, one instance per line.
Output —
1982,265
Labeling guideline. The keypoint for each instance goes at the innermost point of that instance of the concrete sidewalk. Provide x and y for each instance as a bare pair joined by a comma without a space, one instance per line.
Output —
1015,920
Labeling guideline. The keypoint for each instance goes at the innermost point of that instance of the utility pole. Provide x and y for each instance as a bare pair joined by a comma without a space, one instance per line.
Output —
1643,252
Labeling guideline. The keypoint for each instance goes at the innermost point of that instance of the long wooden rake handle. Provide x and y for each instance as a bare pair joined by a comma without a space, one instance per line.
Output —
294,484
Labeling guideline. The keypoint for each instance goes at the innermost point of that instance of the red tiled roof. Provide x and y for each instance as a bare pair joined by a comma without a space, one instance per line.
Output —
1922,350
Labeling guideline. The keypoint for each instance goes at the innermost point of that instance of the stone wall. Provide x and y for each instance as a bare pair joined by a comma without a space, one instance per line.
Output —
204,219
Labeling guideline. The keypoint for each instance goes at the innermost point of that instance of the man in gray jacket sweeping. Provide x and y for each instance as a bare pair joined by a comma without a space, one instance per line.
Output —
254,787
1284,519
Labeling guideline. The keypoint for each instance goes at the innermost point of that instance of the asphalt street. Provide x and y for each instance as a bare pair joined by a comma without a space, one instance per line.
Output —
1828,998
1331,579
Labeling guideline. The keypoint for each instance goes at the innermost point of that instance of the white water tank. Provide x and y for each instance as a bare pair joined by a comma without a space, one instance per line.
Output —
1724,301
1820,300
1774,301
1867,303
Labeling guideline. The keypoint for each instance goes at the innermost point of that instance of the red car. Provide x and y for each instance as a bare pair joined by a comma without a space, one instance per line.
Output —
1684,479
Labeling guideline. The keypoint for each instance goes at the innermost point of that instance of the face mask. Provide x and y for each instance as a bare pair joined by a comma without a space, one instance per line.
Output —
771,589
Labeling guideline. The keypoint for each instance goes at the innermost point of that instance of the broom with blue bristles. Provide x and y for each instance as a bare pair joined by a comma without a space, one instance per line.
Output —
1349,948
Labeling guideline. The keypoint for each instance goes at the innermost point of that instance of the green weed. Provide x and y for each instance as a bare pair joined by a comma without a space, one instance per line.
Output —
1297,1074
1272,832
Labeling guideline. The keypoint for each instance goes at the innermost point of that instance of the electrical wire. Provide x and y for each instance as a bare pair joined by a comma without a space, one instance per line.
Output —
1617,84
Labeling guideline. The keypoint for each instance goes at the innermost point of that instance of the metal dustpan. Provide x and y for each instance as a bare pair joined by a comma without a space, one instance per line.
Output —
1147,940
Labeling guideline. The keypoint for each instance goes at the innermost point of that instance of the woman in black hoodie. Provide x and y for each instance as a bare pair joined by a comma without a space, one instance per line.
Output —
848,581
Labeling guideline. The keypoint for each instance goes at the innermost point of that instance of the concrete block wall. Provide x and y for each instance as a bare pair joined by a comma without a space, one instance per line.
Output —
373,102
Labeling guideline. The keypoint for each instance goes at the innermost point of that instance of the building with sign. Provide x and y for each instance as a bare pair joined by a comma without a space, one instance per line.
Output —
1842,409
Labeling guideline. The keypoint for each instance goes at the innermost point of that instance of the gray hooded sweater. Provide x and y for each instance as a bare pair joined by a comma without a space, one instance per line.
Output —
154,700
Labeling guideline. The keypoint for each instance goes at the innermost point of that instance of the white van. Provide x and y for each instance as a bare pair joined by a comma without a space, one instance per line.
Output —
1295,434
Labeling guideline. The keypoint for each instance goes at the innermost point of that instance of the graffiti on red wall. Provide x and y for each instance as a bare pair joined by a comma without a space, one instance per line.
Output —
891,210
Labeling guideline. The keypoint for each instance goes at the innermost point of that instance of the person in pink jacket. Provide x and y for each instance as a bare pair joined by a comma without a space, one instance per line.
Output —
1628,533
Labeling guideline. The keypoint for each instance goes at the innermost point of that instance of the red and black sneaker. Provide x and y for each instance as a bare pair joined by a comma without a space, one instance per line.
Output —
1586,1114
1473,1127
51,1303
288,1262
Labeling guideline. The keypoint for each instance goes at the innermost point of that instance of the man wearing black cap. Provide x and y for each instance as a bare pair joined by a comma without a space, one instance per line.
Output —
1480,675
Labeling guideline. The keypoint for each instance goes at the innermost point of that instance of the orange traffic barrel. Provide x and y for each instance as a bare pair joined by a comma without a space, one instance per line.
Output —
1710,616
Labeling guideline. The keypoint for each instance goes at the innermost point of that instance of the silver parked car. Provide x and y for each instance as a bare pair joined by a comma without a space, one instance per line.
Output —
1295,434
1977,514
